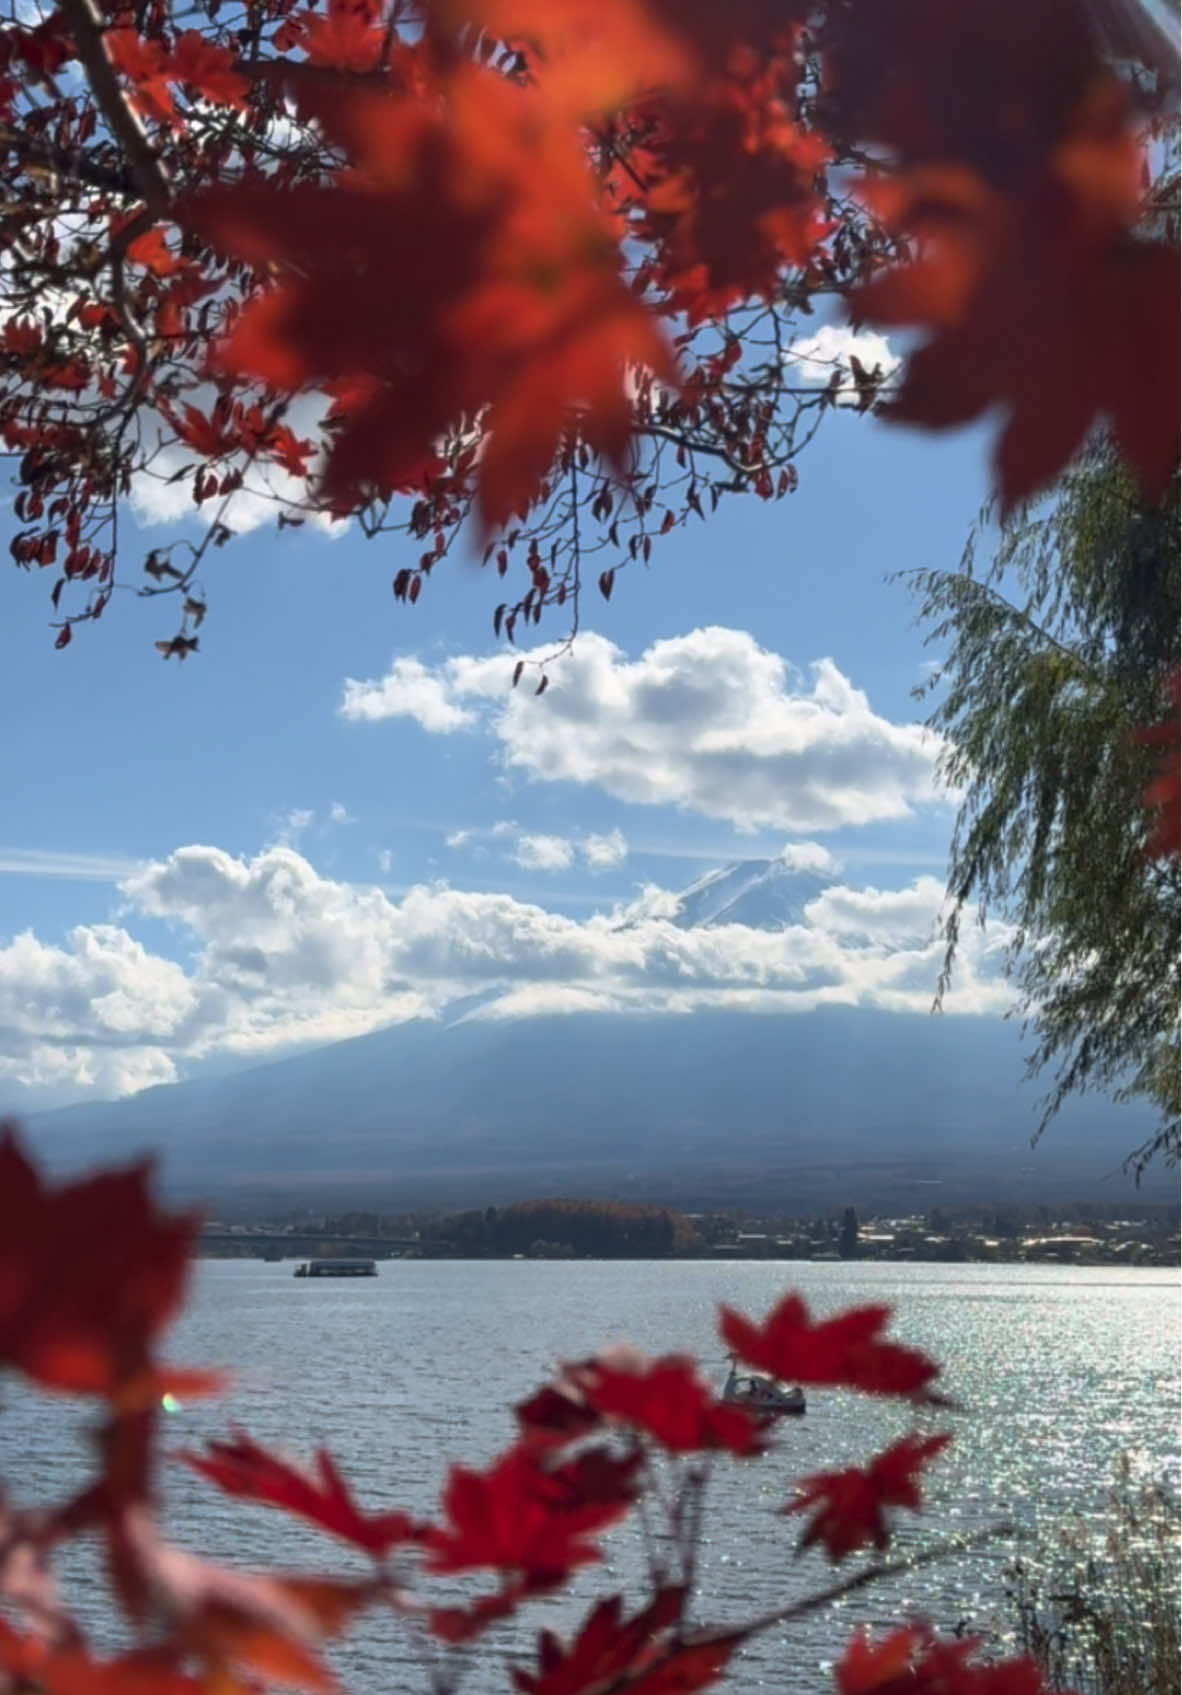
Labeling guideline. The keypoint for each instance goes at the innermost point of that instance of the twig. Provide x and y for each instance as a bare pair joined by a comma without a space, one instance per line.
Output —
869,1574
87,27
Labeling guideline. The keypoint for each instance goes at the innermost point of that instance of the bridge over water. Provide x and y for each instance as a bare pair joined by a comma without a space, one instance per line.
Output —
311,1244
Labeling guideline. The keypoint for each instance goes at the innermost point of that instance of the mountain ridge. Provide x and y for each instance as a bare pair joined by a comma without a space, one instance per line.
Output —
810,1108
677,1107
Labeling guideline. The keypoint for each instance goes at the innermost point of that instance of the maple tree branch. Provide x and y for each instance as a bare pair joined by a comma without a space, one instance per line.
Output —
871,1574
712,450
126,402
577,552
67,163
87,27
697,1480
736,1634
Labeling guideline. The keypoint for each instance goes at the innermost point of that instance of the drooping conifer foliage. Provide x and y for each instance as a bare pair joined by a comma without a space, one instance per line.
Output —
1056,650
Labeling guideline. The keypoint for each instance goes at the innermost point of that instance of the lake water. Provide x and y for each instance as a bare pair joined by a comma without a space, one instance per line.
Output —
1059,1372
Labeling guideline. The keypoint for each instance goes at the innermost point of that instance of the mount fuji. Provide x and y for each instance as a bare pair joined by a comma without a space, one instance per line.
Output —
790,1111
764,894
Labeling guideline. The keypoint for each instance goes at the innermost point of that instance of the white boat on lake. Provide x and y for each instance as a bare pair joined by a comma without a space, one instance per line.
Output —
762,1394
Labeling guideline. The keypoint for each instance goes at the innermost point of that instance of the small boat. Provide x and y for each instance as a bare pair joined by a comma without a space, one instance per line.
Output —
762,1394
336,1268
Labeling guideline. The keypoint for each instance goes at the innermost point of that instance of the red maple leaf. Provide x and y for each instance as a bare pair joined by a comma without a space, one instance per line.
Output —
732,200
289,451
208,436
35,1663
991,84
152,251
85,1319
144,64
228,1621
1020,287
911,1661
693,1664
643,1653
524,1515
557,1413
667,1400
347,36
241,1467
849,1504
459,1625
458,269
714,31
845,1352
203,65
588,57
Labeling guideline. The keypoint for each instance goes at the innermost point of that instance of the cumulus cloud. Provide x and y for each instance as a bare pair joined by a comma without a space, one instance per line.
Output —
94,1015
810,856
408,690
814,358
709,722
892,917
543,853
540,851
604,853
279,956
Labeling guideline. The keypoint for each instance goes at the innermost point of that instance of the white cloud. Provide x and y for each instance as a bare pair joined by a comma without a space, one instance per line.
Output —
339,814
103,983
268,490
67,1073
385,861
894,917
294,823
708,722
92,1016
814,358
543,853
281,957
408,690
540,851
810,856
604,853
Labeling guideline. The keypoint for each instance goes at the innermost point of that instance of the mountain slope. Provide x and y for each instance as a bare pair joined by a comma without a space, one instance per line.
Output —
793,1110
765,894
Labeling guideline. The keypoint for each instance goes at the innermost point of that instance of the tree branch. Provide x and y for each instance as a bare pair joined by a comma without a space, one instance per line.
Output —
87,28
68,163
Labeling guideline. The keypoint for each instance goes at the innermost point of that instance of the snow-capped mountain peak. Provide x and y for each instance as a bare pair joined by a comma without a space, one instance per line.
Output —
764,894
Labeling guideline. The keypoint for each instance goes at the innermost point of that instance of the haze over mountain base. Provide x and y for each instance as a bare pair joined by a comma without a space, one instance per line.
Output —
799,1112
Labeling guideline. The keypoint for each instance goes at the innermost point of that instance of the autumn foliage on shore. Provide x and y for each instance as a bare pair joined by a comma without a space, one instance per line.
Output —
92,1273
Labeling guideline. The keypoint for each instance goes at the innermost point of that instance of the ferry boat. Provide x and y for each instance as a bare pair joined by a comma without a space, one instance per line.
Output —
337,1268
762,1394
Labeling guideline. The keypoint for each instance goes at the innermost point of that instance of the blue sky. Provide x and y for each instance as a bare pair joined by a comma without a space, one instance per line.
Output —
297,800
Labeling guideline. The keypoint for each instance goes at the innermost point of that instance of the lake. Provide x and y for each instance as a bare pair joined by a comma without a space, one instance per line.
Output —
1059,1371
